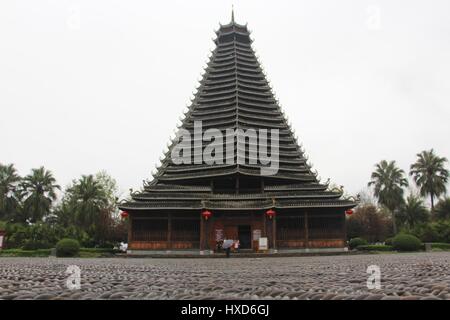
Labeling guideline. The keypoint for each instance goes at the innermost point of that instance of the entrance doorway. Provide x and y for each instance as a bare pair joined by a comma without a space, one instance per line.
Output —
245,237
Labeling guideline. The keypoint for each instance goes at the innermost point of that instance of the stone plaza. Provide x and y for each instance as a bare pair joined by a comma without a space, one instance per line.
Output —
408,276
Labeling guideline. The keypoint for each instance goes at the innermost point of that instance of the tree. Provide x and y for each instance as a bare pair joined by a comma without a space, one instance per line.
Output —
366,197
370,223
62,214
39,191
430,174
109,185
413,211
443,209
9,180
388,181
91,204
86,199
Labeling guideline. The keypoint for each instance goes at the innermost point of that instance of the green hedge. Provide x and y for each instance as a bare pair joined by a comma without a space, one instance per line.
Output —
406,242
83,252
442,246
99,250
25,253
374,247
356,242
381,247
36,245
67,248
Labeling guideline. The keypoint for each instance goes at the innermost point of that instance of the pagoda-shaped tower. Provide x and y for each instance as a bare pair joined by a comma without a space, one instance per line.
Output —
196,204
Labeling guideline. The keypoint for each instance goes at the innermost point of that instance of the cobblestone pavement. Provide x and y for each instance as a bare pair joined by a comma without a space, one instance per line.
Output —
403,276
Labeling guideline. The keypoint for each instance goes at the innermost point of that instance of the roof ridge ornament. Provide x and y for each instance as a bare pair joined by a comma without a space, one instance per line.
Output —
356,198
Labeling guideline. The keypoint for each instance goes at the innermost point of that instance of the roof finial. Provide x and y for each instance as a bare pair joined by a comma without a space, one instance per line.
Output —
232,13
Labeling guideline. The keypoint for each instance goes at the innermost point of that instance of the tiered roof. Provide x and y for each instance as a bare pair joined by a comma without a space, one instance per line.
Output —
235,94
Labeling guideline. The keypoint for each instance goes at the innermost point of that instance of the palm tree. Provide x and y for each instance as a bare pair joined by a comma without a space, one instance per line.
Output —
39,191
430,174
9,180
87,200
388,181
413,211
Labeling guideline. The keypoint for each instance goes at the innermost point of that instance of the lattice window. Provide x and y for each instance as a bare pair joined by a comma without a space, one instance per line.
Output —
185,230
150,230
325,227
290,228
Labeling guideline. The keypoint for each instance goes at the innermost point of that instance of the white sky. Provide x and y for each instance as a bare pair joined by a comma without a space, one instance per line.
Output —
100,85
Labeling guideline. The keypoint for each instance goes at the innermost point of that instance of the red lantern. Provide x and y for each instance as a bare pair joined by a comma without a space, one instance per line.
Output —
206,214
349,212
124,214
270,213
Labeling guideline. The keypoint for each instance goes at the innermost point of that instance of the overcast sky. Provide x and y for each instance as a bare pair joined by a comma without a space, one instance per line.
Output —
100,85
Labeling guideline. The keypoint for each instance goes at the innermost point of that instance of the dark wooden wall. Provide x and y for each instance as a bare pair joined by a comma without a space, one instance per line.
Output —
311,229
164,231
187,230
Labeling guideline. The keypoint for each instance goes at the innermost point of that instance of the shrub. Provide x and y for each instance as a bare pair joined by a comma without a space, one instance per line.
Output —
443,246
30,237
16,235
36,244
80,235
355,242
374,247
437,231
388,241
67,248
106,245
406,242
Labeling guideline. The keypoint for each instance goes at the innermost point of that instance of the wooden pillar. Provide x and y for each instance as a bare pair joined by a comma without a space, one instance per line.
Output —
274,232
169,231
130,230
344,229
207,234
306,230
264,222
202,233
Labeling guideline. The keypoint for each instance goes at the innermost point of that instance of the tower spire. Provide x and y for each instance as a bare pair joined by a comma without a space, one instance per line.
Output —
232,13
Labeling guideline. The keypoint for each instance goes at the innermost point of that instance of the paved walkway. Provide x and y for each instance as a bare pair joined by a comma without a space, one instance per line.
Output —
403,276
